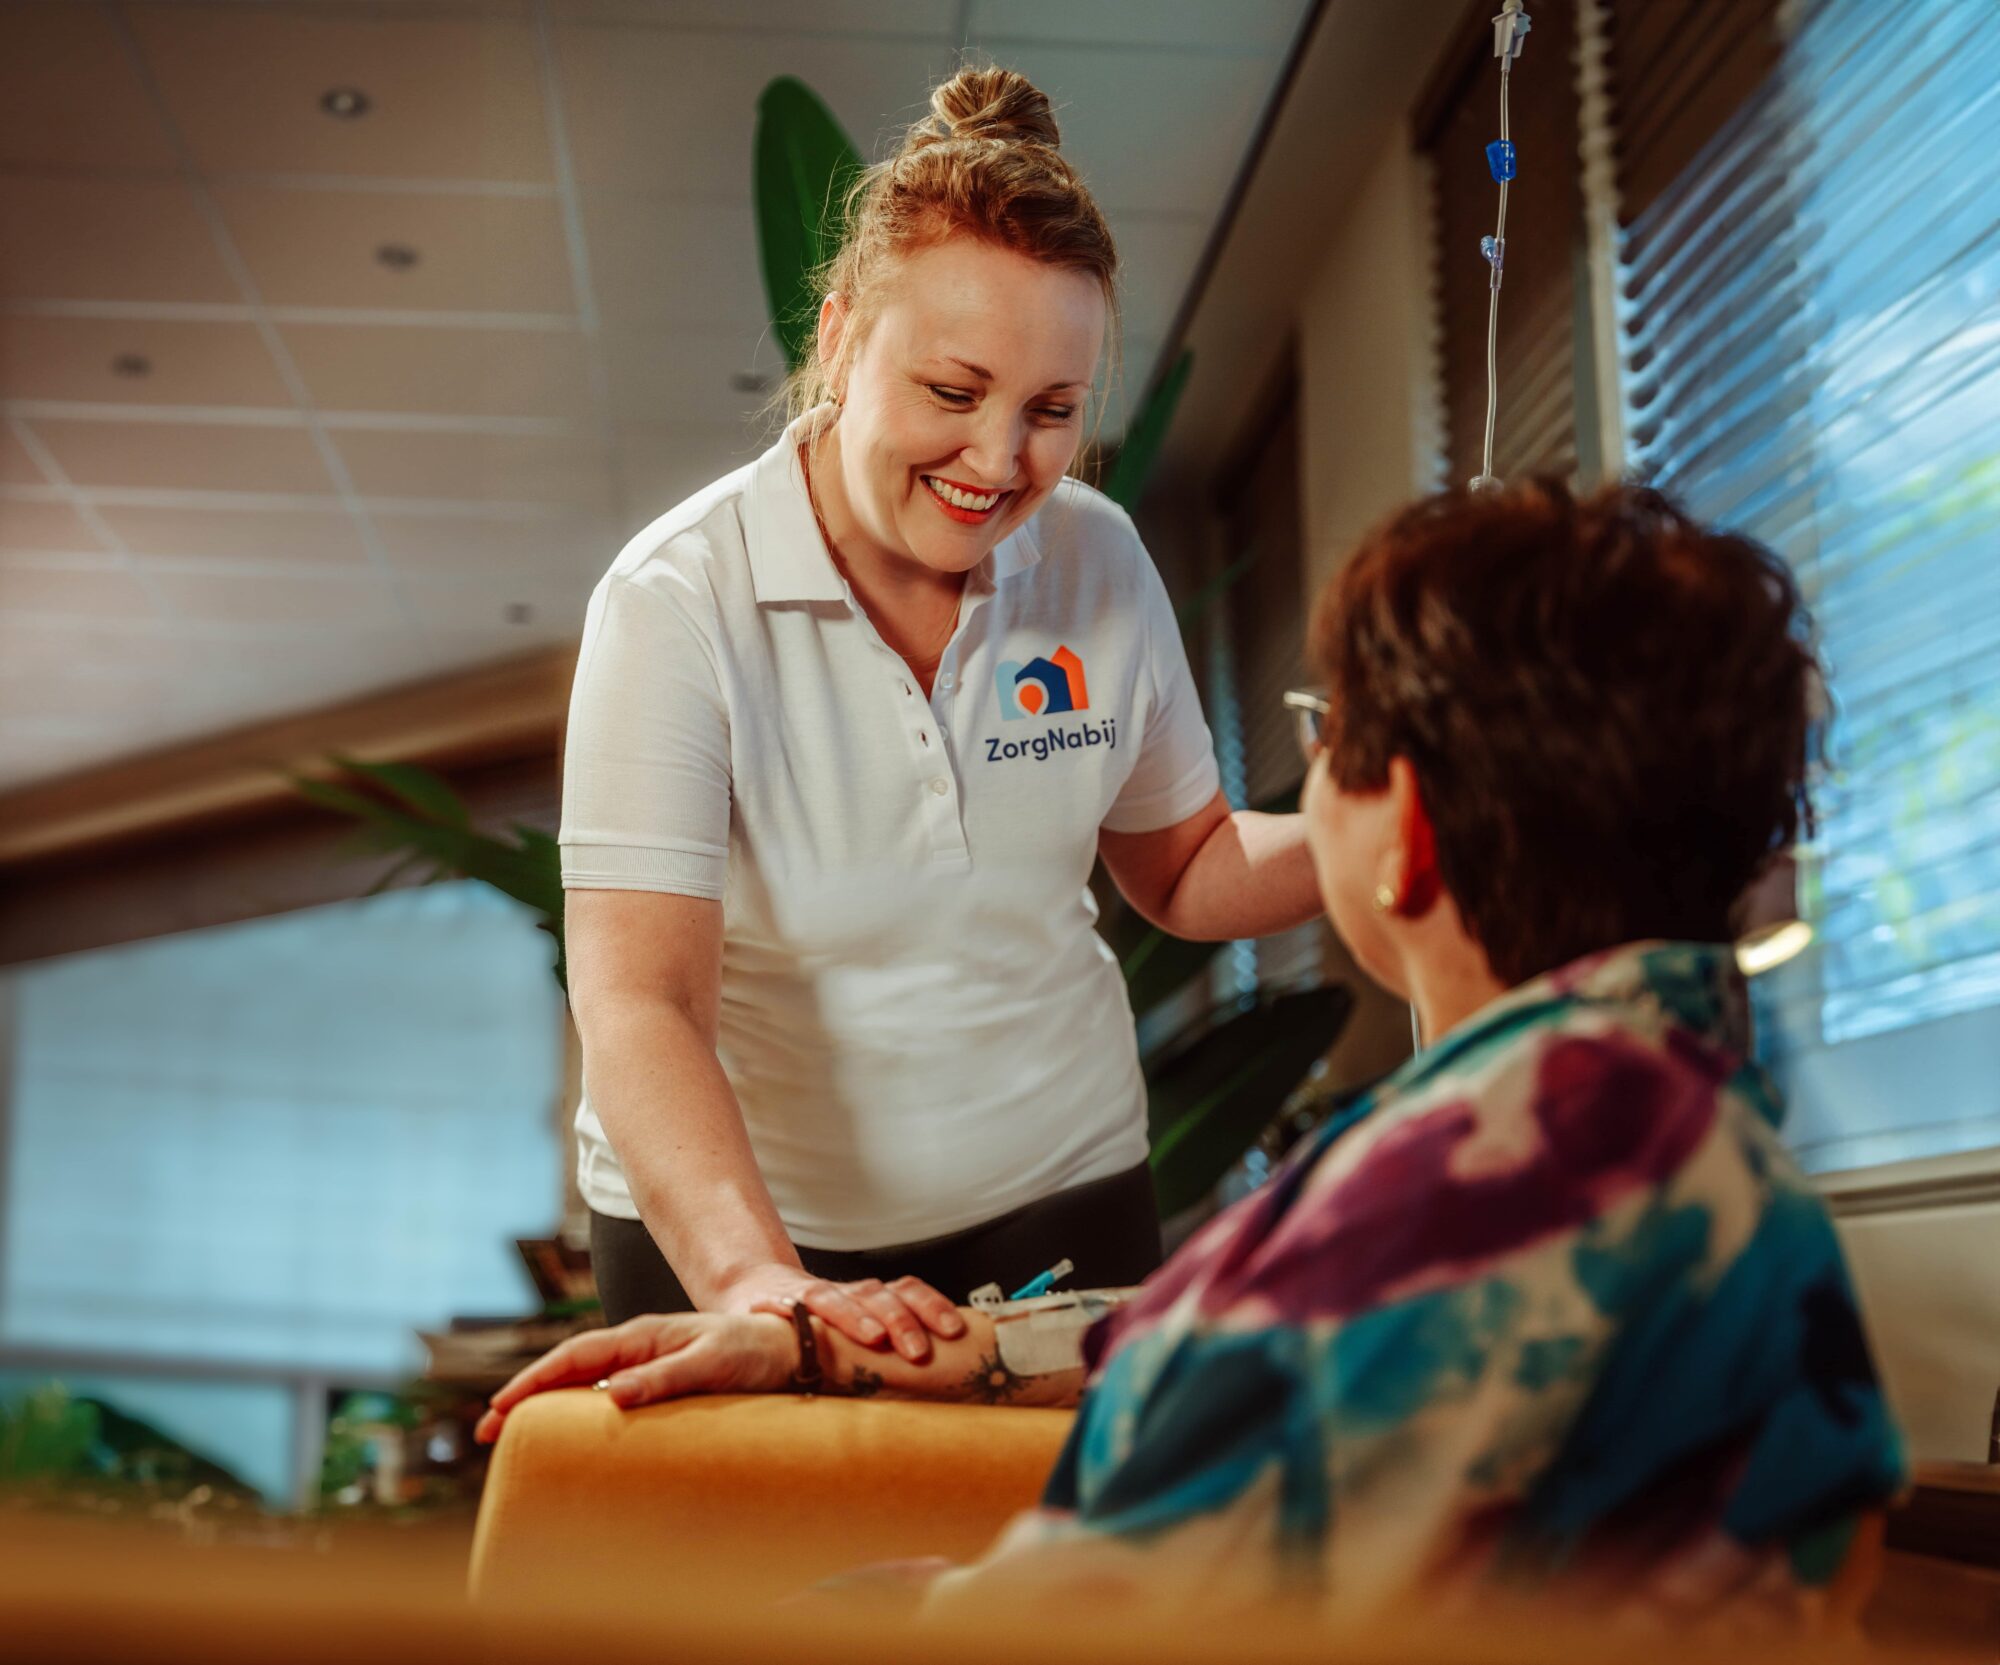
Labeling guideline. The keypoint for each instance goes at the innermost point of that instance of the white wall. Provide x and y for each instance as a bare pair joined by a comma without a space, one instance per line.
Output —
1929,1281
1367,440
1367,336
1923,1242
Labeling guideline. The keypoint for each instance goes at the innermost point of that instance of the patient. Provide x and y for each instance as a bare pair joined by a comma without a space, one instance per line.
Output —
1549,1311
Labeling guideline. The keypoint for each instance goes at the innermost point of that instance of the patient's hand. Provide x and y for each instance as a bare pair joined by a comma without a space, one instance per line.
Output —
667,1357
645,1360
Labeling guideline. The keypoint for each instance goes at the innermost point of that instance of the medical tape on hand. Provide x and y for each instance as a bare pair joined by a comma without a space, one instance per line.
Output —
1044,1336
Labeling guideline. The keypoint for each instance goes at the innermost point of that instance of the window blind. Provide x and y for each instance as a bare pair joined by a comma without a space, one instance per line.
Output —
1809,291
285,1143
1264,530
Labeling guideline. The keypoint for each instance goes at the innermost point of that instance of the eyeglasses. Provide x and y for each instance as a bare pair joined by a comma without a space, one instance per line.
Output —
1309,709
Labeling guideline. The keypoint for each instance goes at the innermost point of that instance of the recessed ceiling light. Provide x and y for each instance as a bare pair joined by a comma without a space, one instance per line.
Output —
750,381
131,364
519,612
398,257
345,102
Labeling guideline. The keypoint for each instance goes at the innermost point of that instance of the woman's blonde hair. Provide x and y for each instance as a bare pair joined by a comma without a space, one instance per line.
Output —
985,162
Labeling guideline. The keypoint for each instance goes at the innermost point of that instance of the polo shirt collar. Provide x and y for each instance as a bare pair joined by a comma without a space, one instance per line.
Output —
788,559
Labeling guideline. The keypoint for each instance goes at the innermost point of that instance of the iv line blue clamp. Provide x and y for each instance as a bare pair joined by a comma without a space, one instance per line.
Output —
1043,1282
1500,160
1495,250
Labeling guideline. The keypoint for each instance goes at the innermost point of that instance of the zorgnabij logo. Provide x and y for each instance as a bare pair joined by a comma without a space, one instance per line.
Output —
1041,687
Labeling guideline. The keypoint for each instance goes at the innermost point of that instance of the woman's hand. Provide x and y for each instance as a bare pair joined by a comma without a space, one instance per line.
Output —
908,1312
649,1359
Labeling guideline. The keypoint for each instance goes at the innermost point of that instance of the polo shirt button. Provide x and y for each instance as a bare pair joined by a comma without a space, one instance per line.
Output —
940,786
944,682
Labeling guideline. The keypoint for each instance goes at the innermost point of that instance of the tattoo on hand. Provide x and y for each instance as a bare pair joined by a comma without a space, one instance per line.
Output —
864,1383
992,1383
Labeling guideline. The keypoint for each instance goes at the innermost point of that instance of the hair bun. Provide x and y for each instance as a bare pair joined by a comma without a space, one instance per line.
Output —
995,104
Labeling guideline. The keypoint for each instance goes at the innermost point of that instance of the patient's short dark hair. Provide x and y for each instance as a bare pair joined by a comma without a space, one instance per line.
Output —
1609,709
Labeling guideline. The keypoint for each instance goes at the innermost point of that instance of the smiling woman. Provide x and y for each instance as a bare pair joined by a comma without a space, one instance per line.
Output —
925,456
848,731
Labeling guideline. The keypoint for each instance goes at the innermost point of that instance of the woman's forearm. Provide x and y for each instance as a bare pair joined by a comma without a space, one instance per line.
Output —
970,1369
672,1116
1251,877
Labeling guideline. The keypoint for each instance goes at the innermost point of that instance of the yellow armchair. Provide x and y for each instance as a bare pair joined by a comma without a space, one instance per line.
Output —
749,1496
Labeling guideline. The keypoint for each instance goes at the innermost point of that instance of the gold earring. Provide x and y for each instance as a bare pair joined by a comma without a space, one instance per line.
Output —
1385,898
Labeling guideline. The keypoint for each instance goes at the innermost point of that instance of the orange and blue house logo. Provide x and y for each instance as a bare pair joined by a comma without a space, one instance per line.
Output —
1042,687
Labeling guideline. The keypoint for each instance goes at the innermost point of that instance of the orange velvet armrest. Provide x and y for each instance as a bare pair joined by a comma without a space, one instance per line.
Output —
759,1494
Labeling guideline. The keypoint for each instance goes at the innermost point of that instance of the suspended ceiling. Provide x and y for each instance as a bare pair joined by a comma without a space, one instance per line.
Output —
297,405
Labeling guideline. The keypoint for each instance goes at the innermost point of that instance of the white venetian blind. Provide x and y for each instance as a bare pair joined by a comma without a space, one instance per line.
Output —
282,1144
1811,326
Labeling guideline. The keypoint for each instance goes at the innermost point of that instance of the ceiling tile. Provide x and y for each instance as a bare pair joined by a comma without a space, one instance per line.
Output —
1258,25
486,603
246,697
88,698
661,263
87,592
461,546
1156,261
52,527
264,664
69,96
474,253
666,462
463,372
1164,131
654,112
689,376
107,239
22,693
30,753
17,467
477,467
458,650
186,456
88,647
189,364
450,98
275,535
315,602
934,18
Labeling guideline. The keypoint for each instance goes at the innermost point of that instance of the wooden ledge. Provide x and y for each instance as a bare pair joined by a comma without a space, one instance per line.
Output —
511,709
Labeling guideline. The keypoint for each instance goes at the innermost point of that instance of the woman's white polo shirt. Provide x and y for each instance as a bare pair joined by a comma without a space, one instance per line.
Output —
918,1018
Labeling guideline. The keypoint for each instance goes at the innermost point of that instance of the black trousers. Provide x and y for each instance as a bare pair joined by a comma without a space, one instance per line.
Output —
1109,1227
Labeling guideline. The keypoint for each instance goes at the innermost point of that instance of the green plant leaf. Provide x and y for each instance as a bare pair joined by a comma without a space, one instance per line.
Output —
343,800
1159,966
47,1434
1210,1098
530,872
1132,468
1193,610
561,965
802,166
420,789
